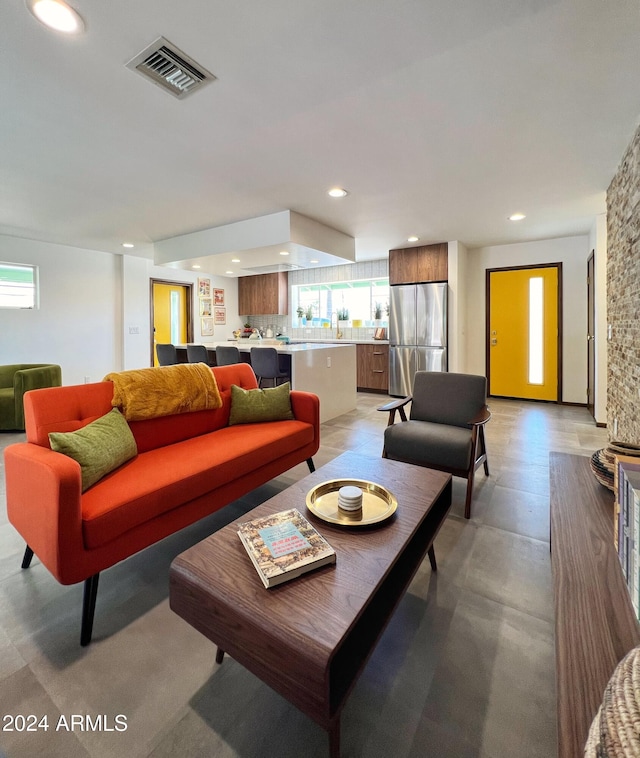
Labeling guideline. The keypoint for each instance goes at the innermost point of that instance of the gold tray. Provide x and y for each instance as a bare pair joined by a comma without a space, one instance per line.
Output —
378,503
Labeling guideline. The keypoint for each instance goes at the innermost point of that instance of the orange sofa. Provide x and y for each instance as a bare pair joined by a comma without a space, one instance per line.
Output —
188,466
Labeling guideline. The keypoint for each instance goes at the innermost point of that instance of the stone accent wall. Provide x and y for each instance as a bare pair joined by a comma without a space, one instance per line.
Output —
623,297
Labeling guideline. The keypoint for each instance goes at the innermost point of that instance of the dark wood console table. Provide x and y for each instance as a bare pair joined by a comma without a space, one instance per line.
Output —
595,622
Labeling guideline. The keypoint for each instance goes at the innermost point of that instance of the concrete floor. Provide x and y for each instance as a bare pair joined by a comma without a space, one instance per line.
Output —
465,668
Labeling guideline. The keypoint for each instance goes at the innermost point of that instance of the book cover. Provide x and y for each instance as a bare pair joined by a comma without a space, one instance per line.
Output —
284,545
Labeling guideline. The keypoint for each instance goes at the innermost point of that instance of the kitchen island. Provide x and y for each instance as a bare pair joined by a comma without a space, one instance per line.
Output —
326,369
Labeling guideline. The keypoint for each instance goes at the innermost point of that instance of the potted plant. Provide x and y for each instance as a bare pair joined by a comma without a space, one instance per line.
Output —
300,314
309,314
343,314
377,313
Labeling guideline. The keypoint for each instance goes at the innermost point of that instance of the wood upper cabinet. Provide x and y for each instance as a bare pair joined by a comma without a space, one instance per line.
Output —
427,263
263,294
373,367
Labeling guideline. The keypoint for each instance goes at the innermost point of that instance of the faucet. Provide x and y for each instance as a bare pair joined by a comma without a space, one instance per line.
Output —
338,332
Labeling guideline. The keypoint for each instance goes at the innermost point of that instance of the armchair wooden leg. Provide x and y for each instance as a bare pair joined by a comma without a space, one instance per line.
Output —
467,502
88,608
483,447
26,560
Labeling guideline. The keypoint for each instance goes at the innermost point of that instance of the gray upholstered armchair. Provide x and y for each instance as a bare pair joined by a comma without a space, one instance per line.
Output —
445,429
17,379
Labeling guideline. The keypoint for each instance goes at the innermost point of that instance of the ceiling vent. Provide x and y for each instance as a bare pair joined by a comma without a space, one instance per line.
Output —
170,68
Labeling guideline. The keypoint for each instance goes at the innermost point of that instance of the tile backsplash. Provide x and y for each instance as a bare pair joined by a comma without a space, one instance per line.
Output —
282,325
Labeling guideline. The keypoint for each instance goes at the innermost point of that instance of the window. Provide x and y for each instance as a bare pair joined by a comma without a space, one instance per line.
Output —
361,301
18,286
536,330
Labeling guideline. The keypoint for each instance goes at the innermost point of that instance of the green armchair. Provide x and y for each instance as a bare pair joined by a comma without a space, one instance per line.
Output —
17,379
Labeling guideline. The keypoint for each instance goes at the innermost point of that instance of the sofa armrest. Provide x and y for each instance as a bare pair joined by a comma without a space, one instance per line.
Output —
6,375
44,504
33,378
306,407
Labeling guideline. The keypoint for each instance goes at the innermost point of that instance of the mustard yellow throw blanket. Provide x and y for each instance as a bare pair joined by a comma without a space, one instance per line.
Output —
164,390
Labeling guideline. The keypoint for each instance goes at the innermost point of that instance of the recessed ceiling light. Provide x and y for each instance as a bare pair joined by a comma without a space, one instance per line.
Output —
412,239
337,192
284,252
235,260
228,272
313,260
516,217
195,265
57,15
127,244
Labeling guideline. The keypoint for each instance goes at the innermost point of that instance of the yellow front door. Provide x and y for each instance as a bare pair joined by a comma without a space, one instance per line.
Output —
523,333
170,315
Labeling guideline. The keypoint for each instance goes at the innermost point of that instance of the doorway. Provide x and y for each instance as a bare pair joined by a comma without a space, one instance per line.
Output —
171,320
523,343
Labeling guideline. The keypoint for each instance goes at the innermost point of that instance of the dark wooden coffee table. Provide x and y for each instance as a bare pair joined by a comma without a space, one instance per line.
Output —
310,637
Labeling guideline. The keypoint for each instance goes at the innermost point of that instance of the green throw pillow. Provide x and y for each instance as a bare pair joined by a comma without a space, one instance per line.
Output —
250,406
99,447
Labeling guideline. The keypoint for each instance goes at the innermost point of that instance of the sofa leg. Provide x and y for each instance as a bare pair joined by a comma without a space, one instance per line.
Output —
432,559
311,465
26,560
88,608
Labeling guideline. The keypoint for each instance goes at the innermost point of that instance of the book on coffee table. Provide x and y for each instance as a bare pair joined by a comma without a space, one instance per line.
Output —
283,546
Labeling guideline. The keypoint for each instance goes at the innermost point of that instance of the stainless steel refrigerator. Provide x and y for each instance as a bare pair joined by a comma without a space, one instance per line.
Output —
417,333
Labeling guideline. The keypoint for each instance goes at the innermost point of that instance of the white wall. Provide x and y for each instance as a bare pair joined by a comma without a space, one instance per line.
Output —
598,243
137,273
89,304
572,252
77,323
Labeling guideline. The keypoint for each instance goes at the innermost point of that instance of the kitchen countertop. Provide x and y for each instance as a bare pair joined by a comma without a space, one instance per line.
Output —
342,340
247,344
327,369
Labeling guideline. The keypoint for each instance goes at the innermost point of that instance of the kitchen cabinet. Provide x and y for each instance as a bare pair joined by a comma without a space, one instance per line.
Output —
263,295
373,367
426,263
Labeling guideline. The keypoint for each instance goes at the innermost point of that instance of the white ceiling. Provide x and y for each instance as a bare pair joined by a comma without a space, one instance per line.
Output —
439,118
